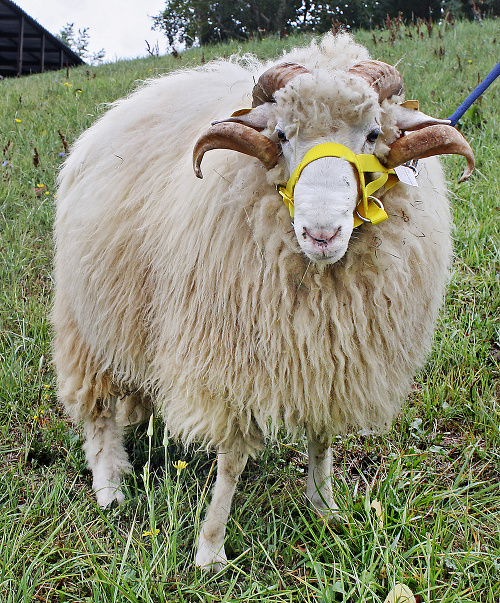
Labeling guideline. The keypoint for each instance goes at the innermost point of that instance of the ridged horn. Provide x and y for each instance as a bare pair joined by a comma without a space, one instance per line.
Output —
384,78
235,137
432,140
274,79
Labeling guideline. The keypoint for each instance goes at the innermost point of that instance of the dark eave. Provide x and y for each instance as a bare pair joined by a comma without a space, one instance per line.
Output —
26,47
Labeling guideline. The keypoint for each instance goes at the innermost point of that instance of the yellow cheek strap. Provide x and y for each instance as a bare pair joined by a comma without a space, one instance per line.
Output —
369,209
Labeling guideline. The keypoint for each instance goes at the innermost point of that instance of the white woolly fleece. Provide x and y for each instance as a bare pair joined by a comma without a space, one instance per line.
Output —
195,292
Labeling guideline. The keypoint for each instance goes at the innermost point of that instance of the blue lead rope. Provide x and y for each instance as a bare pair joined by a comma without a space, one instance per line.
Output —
488,80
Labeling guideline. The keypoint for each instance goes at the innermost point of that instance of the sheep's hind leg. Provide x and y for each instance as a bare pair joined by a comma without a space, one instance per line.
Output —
231,461
319,485
106,455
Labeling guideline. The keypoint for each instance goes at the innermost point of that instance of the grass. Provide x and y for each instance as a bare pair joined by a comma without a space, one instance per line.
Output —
435,476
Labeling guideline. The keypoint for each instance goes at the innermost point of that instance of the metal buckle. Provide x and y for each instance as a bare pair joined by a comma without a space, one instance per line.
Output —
377,202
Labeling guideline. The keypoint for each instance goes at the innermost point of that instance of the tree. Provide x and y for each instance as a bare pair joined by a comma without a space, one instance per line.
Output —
212,21
78,42
351,13
471,9
410,10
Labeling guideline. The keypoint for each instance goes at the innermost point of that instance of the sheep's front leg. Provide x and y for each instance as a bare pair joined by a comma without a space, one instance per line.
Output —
106,455
230,463
319,485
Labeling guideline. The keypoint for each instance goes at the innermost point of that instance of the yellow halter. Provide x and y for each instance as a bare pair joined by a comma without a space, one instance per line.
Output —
369,208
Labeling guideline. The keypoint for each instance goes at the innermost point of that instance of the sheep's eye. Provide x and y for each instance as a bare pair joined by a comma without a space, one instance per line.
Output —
373,135
281,135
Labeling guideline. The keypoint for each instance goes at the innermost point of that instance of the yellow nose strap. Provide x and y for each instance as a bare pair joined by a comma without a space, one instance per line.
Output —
368,209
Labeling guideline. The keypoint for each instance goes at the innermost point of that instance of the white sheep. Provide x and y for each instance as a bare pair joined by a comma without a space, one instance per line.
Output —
198,295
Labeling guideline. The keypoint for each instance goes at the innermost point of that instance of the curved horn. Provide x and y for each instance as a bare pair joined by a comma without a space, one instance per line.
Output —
236,137
384,78
432,140
239,132
274,79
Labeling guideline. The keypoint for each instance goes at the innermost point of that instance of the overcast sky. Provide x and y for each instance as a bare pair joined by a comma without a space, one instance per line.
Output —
119,26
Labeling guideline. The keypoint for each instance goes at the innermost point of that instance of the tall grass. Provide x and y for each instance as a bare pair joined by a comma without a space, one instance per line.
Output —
435,477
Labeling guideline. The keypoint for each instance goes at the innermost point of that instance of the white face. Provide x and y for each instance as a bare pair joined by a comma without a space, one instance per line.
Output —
326,193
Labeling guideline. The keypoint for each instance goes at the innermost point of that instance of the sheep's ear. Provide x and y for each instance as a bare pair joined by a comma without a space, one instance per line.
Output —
411,119
253,118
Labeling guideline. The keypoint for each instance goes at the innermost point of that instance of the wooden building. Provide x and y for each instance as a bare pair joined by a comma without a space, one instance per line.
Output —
26,47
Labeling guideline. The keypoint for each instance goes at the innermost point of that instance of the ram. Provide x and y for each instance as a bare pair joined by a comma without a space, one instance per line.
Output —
205,299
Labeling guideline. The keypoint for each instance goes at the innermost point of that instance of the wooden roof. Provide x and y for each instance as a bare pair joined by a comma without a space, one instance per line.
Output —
26,47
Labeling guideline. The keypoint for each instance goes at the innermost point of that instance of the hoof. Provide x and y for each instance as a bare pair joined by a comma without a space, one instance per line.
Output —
326,509
210,558
109,495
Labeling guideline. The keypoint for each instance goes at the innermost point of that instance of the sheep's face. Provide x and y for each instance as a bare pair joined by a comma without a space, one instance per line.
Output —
296,110
327,191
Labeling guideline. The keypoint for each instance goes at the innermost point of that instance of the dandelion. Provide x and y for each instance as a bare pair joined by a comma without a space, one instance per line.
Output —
180,465
151,533
18,121
68,84
46,386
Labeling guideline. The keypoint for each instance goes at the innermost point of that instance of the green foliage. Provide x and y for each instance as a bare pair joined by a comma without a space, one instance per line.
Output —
210,22
78,42
460,9
436,475
188,22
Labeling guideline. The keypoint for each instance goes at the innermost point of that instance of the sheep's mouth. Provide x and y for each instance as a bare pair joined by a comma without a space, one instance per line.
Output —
322,246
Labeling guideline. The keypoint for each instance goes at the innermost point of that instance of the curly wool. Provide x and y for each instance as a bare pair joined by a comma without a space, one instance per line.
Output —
318,109
196,292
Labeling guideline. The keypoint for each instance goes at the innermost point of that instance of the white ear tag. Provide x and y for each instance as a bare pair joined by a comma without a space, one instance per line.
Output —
406,175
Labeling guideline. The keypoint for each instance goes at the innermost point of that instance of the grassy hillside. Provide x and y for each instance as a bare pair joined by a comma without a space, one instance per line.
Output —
436,476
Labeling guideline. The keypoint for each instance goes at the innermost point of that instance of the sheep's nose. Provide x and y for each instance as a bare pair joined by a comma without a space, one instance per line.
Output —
321,238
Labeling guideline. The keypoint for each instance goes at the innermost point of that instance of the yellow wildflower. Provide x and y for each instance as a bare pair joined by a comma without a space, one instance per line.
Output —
180,465
151,533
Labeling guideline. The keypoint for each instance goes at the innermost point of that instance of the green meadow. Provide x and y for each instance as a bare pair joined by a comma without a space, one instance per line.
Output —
419,506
